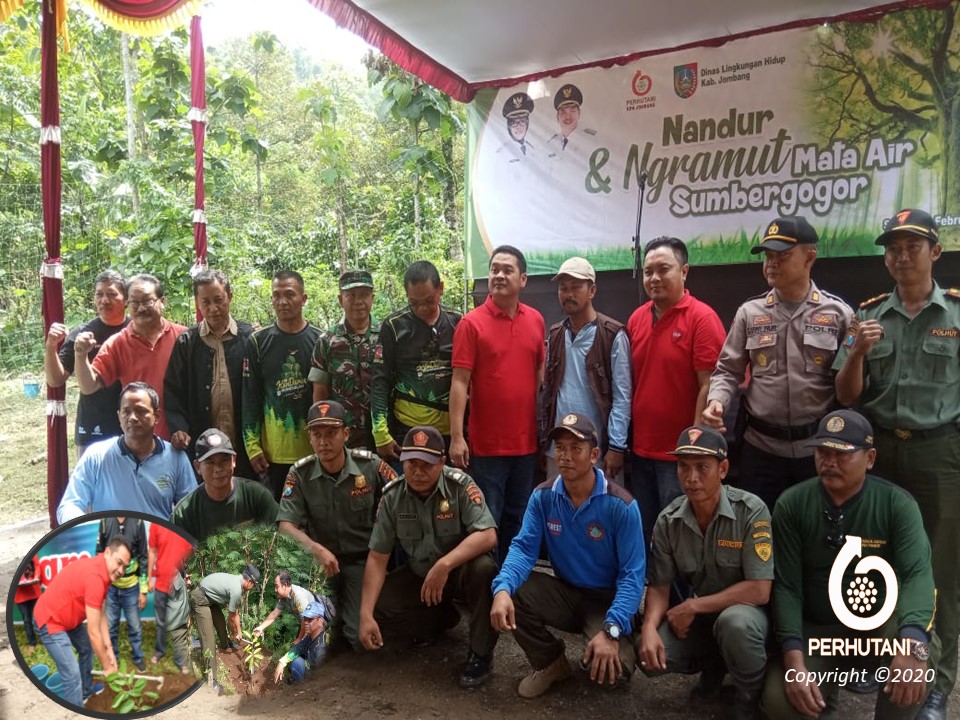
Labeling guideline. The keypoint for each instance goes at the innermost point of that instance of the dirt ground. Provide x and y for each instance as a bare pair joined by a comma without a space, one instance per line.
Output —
397,682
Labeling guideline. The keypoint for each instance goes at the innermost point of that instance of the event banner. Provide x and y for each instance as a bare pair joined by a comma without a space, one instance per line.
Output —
842,123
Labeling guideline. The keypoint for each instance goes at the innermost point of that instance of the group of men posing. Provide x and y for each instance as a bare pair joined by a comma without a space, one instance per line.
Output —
329,453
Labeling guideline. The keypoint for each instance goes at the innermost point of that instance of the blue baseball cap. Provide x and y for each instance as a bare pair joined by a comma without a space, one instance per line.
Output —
314,609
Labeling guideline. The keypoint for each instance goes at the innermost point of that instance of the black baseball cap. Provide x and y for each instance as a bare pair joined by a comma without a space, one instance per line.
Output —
212,442
250,572
910,222
326,413
356,278
843,430
701,440
785,233
423,443
580,426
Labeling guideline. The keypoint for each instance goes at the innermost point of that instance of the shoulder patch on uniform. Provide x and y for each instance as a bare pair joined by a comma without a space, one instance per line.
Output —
874,300
386,472
288,485
361,454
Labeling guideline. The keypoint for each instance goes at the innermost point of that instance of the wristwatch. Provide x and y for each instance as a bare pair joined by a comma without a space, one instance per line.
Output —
612,630
919,650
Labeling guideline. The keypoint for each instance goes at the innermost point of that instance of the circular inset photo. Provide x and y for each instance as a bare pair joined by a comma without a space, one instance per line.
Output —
98,615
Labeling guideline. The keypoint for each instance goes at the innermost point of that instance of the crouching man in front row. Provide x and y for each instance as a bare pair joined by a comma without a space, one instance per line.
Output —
594,540
717,541
846,541
438,516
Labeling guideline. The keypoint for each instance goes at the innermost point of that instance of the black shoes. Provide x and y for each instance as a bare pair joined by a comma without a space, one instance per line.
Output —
934,707
476,671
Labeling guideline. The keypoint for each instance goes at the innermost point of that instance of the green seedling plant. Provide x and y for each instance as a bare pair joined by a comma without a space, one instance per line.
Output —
253,654
131,692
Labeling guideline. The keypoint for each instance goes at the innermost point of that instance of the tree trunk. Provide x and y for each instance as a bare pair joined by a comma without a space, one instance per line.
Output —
450,201
128,83
416,192
342,229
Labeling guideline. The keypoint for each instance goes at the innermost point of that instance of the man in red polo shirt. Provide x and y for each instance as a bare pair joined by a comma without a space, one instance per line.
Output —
167,552
138,352
78,593
498,354
675,341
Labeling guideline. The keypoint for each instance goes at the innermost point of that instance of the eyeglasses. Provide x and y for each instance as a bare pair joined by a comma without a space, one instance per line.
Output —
837,538
148,304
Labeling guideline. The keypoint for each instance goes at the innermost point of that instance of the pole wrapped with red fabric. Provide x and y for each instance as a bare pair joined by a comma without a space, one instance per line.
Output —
51,272
198,121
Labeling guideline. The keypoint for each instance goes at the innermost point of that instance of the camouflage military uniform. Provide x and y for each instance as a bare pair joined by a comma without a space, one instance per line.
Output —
342,360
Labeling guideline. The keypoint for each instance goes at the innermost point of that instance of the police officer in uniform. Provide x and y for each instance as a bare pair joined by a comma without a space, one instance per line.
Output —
333,495
788,338
717,539
901,361
438,516
341,367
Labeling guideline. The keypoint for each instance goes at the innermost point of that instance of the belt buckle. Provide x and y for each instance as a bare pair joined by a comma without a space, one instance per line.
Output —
902,434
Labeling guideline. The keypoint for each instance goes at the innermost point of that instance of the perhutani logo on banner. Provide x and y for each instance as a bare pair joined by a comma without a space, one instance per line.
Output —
853,604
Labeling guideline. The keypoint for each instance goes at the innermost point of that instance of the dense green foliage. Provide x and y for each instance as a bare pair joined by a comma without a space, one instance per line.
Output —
308,167
271,552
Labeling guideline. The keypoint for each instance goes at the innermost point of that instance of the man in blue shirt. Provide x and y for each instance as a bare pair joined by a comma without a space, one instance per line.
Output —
594,540
588,368
311,651
137,472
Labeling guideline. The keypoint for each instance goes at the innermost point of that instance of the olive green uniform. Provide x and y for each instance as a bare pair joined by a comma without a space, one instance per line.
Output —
427,529
343,360
338,512
736,546
207,601
809,528
912,396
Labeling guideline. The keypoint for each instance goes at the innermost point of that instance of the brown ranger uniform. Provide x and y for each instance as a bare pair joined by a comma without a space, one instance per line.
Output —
790,353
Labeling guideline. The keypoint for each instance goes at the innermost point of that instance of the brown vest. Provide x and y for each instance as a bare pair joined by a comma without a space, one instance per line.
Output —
599,373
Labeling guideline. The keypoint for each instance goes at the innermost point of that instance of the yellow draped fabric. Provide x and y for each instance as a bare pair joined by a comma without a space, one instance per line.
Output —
178,16
8,8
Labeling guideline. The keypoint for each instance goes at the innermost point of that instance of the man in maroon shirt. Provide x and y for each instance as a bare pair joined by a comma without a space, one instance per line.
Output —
674,343
498,356
140,351
78,593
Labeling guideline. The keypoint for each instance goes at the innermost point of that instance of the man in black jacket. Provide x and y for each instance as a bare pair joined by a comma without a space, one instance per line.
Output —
203,382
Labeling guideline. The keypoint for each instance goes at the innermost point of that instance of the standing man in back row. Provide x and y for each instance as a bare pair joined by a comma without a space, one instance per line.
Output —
675,340
97,413
498,356
138,353
411,365
342,362
276,392
788,338
587,369
901,361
